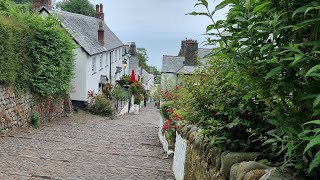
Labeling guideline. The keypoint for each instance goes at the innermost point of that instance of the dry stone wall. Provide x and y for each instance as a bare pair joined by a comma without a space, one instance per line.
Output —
16,110
204,162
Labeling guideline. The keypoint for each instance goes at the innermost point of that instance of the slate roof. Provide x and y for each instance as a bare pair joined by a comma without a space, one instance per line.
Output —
146,76
171,64
202,52
84,30
133,64
186,70
174,64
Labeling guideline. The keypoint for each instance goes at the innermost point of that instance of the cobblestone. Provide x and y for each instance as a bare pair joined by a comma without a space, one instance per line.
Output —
85,146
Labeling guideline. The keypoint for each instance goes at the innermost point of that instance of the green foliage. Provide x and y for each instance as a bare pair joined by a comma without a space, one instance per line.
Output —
311,134
137,99
119,93
262,84
35,120
124,80
102,106
163,108
53,66
37,53
77,6
136,90
142,60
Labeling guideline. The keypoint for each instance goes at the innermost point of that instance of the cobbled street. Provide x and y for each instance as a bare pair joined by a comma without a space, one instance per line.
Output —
85,146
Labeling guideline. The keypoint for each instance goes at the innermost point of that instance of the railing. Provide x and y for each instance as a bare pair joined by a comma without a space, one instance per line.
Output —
120,104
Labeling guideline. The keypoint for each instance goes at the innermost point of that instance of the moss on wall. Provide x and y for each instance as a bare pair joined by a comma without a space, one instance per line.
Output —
196,167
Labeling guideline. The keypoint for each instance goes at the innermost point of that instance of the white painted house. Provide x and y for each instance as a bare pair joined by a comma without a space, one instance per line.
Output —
100,53
189,59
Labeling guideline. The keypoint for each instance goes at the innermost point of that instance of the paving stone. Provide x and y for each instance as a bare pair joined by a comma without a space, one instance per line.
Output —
85,146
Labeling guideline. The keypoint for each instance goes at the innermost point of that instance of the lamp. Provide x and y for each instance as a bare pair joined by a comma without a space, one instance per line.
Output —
124,62
124,65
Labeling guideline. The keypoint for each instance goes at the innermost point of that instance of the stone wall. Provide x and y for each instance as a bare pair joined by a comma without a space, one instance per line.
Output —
204,162
17,109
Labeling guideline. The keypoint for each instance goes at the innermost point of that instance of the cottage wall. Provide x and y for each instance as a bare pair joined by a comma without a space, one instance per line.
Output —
78,84
168,80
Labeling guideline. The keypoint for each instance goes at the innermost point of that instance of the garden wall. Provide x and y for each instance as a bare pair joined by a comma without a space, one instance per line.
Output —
194,159
16,110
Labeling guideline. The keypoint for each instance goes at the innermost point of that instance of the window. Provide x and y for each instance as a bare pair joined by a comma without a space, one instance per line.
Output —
101,62
93,65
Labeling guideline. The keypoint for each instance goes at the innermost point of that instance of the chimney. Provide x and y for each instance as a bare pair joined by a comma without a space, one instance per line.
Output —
39,4
99,12
191,52
101,33
182,51
132,49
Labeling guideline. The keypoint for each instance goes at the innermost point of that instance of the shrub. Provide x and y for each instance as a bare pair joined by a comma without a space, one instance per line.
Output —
136,90
15,65
35,120
35,53
124,80
164,107
119,93
137,99
102,106
261,89
107,88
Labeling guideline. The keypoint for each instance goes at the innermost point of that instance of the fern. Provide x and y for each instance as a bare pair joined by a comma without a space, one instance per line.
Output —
315,141
315,162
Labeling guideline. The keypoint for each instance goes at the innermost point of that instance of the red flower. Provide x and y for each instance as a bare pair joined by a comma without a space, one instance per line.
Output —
176,117
175,127
168,122
165,127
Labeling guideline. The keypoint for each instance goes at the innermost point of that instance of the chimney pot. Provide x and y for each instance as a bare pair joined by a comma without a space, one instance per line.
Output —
101,8
38,4
97,8
99,12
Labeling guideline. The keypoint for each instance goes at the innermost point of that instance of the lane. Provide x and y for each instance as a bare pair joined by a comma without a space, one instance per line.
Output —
85,146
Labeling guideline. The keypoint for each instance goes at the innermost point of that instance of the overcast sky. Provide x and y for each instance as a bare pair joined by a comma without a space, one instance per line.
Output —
157,25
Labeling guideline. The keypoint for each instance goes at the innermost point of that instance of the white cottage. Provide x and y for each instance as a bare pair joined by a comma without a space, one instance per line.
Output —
188,60
99,56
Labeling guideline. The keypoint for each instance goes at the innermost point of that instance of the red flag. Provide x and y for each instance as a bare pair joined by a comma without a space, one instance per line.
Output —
133,77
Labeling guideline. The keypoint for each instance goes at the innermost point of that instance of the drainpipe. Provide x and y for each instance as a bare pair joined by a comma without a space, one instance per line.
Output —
110,77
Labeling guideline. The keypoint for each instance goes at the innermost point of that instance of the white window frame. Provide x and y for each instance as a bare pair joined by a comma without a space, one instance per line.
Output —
101,62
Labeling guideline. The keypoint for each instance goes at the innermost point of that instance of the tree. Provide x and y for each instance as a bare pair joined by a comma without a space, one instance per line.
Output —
77,6
143,58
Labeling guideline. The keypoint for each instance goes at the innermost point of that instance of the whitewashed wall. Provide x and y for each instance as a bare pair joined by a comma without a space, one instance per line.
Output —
161,136
78,83
168,80
179,157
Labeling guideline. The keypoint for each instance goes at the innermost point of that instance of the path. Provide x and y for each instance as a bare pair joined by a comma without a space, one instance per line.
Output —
87,147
